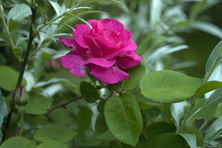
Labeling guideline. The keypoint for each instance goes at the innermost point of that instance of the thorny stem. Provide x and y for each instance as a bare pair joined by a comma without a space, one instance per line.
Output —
21,72
64,104
7,30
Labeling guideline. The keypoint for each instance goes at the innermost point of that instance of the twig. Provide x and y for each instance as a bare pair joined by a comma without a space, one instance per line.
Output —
21,72
64,104
188,114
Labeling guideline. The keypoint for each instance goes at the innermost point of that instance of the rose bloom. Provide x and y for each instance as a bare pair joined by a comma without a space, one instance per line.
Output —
105,50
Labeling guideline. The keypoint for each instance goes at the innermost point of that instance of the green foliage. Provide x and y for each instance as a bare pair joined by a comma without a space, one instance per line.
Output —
167,140
84,118
215,128
52,144
158,106
177,86
8,78
19,12
123,118
54,131
101,125
190,139
159,128
18,142
207,87
213,60
3,111
89,93
38,104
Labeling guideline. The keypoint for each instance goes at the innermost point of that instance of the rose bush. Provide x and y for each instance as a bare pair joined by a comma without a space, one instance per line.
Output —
104,49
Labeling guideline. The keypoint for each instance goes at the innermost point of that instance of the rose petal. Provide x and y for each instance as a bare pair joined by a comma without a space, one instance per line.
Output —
111,23
71,43
94,48
128,60
79,33
108,75
74,64
93,23
130,46
100,62
68,42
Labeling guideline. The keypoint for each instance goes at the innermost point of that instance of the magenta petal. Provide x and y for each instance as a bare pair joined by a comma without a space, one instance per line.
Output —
94,48
74,64
130,46
101,62
71,43
112,23
68,42
110,75
79,33
130,60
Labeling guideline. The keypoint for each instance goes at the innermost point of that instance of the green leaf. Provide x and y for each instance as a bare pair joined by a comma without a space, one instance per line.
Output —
155,12
54,131
18,142
207,27
177,111
201,6
12,25
101,125
149,43
41,4
213,129
38,104
159,128
58,9
193,130
168,86
81,19
123,118
167,140
3,112
135,74
8,78
17,51
199,112
218,112
19,12
62,116
152,112
213,59
215,98
207,87
101,105
211,102
52,144
84,118
111,1
190,138
67,3
89,93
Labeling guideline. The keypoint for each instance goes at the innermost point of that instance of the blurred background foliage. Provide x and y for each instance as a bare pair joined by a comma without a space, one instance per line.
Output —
170,34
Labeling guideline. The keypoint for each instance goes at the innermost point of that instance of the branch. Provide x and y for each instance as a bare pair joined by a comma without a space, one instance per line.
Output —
64,104
21,72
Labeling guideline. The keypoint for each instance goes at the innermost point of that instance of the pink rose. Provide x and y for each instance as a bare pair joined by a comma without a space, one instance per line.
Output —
105,49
